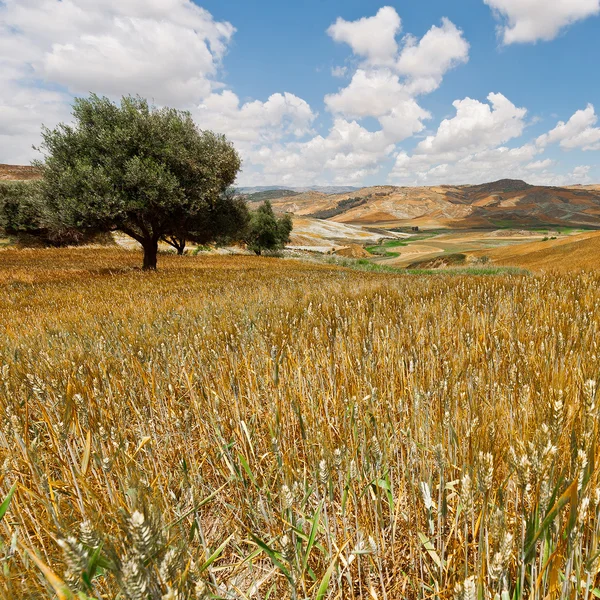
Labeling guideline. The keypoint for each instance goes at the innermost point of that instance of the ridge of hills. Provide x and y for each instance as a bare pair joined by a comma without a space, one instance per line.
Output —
325,189
501,204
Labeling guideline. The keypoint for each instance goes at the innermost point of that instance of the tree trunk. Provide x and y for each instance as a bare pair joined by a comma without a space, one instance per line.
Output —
150,252
177,243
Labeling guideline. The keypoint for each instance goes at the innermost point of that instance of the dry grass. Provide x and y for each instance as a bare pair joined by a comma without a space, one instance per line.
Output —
257,428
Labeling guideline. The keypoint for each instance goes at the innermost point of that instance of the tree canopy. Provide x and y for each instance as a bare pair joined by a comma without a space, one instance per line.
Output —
145,171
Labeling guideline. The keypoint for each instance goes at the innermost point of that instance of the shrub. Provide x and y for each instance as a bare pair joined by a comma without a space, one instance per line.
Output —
266,231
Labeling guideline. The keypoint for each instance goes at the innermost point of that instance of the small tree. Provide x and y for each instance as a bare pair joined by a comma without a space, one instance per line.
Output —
266,231
24,215
147,172
20,210
223,221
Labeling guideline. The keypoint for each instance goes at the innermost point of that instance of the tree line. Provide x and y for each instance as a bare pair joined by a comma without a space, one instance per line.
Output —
147,172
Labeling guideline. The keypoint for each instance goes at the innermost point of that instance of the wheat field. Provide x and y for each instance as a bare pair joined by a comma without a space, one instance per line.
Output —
244,428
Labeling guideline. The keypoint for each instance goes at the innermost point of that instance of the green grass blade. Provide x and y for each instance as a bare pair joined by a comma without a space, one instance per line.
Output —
6,503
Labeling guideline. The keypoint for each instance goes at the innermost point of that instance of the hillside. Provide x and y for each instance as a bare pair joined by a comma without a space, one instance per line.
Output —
324,235
18,173
502,204
325,189
566,254
269,195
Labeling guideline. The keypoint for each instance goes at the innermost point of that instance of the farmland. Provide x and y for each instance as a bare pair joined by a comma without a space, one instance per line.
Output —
241,427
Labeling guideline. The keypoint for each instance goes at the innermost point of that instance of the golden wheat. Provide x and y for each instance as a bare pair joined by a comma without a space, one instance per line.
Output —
238,427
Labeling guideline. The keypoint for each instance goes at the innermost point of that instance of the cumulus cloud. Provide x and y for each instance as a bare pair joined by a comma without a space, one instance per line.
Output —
469,145
50,50
540,165
172,52
348,153
577,132
256,121
581,174
169,51
484,166
481,166
476,125
533,20
373,38
378,93
426,61
386,84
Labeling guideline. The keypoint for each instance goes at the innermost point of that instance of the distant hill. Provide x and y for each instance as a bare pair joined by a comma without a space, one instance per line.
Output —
502,186
18,173
326,189
270,195
501,204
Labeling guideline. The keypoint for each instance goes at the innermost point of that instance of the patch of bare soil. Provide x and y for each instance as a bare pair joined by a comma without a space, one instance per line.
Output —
352,251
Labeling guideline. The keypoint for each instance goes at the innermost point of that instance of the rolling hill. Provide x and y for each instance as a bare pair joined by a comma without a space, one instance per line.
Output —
501,204
565,254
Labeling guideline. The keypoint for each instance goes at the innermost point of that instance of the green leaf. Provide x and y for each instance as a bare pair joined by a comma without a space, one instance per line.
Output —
92,567
430,550
247,469
272,555
215,555
312,535
5,504
325,581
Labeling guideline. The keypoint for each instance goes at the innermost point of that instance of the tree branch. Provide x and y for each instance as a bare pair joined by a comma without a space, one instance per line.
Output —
132,234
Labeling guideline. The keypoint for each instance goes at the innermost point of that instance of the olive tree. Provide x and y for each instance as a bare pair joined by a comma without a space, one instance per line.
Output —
145,171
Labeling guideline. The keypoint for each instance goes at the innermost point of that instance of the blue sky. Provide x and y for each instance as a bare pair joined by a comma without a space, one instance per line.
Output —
327,91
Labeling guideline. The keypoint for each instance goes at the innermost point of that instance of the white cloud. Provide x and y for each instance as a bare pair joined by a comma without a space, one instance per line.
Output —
540,165
469,146
476,126
281,115
378,93
577,132
581,174
373,38
348,153
482,166
172,51
426,61
339,71
533,20
169,51
385,86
